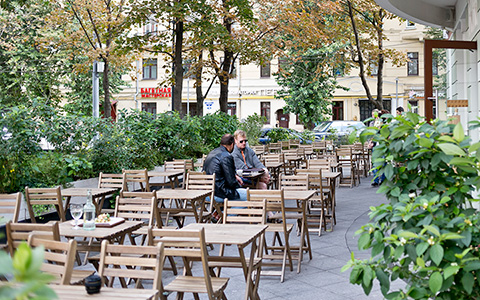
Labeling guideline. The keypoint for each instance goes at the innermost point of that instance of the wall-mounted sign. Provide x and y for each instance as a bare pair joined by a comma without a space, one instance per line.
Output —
457,103
209,104
156,92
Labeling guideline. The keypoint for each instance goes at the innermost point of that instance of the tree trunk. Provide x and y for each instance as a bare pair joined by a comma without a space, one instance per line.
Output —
106,91
224,80
360,61
198,85
178,86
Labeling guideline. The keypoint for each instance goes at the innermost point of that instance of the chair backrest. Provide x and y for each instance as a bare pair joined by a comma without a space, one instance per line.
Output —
285,144
113,181
188,164
138,206
140,176
294,143
190,245
19,232
138,262
44,196
10,206
176,165
202,182
319,164
244,212
315,179
275,147
59,257
294,182
277,158
259,149
344,155
274,200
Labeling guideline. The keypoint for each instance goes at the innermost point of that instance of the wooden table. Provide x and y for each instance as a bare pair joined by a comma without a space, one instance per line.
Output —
171,175
332,180
242,236
301,197
188,203
98,196
78,292
253,177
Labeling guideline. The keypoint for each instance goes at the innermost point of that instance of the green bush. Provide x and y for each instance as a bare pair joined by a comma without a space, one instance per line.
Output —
252,126
428,233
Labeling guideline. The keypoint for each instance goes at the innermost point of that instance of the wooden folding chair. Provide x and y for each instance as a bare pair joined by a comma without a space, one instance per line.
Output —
140,176
19,232
190,246
176,165
196,181
320,163
44,196
133,262
10,205
189,164
275,204
59,259
321,203
346,161
112,181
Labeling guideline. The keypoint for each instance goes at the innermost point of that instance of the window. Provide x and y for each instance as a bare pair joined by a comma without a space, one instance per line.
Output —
413,63
410,25
265,111
265,70
373,68
150,107
283,63
149,68
231,108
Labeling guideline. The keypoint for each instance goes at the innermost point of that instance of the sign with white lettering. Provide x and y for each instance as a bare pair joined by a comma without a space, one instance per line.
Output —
165,92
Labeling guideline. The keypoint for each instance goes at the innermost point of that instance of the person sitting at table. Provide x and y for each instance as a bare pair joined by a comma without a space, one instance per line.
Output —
220,162
245,158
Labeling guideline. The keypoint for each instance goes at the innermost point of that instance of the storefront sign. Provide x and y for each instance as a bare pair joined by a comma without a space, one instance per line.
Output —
156,92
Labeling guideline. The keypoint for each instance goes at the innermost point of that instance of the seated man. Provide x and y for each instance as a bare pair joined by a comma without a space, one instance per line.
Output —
220,162
245,158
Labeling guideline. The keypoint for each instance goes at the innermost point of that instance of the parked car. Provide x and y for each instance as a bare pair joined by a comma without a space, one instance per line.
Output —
337,129
265,139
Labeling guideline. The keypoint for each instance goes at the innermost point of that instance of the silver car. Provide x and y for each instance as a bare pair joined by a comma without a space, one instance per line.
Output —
337,129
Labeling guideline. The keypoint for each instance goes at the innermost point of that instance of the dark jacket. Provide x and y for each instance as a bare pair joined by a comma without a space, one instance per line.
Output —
220,162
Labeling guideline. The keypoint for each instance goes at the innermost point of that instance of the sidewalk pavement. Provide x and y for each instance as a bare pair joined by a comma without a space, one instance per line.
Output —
321,278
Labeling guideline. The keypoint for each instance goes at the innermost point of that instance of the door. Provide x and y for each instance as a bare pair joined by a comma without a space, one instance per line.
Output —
283,119
337,110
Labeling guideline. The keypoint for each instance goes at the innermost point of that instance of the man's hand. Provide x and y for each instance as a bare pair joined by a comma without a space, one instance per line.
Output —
240,181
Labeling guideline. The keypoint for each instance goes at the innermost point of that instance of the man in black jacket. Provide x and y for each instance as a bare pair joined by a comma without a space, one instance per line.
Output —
220,162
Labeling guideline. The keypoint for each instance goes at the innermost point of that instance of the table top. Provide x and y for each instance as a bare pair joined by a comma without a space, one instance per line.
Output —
229,234
331,174
165,173
182,194
66,229
78,292
82,192
270,164
298,195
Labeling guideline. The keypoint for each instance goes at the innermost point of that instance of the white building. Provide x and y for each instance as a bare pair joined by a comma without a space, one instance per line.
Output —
461,19
253,88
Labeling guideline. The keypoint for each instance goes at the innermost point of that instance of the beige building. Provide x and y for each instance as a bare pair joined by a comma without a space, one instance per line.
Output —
253,88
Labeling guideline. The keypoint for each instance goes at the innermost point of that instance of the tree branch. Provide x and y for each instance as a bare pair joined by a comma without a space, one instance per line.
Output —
81,24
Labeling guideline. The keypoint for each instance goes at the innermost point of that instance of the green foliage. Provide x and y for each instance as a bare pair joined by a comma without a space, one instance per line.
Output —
307,86
252,126
278,134
307,135
427,234
26,281
214,126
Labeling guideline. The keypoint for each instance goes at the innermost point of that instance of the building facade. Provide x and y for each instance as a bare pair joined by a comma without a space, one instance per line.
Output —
253,88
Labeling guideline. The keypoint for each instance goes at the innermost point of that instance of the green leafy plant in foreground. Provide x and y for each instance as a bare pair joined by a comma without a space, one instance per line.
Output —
26,281
428,234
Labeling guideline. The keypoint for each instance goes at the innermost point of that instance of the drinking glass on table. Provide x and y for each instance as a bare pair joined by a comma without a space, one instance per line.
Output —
76,211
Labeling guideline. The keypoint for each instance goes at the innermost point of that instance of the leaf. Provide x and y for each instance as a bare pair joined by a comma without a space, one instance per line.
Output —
474,265
432,229
426,143
435,282
458,132
389,171
408,234
364,241
468,281
436,253
421,248
451,149
383,278
450,270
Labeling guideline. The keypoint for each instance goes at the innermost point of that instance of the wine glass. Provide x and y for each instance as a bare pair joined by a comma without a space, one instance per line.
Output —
76,211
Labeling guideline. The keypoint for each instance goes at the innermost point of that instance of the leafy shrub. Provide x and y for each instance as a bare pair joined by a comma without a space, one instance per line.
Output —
428,233
252,126
278,134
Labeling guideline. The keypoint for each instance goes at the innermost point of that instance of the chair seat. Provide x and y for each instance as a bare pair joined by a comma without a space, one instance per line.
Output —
278,227
78,277
191,284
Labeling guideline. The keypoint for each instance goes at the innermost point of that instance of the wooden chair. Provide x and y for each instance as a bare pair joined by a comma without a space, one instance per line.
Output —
189,165
308,151
275,204
10,204
361,159
275,147
59,259
112,181
44,196
134,262
140,176
321,205
293,144
259,150
323,164
202,182
274,158
177,165
346,161
19,232
190,246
